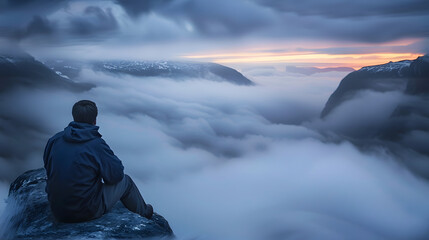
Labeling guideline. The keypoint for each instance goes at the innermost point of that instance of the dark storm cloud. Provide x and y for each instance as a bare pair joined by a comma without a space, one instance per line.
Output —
222,18
93,21
352,21
27,19
193,20
20,4
37,26
365,29
208,17
15,15
134,7
347,9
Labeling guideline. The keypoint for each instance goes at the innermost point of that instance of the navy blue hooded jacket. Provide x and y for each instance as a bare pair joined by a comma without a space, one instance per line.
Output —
76,160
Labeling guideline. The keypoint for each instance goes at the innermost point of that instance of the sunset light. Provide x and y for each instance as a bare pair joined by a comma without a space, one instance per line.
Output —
318,60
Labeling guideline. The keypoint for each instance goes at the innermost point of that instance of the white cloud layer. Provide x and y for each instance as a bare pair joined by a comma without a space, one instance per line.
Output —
221,161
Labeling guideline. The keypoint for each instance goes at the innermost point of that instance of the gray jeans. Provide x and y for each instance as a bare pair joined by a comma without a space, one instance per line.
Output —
127,192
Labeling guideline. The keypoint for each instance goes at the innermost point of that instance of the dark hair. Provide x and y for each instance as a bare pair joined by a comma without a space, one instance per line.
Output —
85,111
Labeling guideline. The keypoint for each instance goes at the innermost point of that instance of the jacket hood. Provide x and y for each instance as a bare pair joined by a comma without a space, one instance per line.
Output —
80,132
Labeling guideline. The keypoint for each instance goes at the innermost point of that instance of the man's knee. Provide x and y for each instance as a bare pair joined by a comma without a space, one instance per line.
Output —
129,185
129,180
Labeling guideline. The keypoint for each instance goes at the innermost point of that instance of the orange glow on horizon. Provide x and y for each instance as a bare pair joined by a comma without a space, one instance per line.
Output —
334,60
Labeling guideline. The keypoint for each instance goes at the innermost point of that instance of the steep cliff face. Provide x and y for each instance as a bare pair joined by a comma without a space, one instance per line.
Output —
407,123
419,69
381,78
411,77
28,216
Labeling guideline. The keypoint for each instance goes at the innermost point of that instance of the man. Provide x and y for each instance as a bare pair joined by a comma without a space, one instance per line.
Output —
77,162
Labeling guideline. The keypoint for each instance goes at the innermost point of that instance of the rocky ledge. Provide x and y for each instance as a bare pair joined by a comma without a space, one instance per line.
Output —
28,216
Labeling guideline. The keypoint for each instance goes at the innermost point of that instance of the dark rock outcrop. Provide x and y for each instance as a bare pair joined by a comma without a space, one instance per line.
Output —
410,77
408,123
419,69
29,217
381,78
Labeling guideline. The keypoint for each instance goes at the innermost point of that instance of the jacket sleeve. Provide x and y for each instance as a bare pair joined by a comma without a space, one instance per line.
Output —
111,168
46,153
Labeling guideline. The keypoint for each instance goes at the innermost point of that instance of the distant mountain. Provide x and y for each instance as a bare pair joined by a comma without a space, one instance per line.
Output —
408,123
21,69
407,76
168,69
313,70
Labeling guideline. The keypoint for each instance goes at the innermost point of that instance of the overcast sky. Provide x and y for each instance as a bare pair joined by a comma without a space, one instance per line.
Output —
233,32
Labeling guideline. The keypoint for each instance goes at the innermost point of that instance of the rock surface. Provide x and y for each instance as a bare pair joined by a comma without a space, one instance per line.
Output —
28,216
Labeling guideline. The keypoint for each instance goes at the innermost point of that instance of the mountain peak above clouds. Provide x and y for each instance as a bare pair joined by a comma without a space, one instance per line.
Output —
409,76
18,68
390,102
396,67
175,70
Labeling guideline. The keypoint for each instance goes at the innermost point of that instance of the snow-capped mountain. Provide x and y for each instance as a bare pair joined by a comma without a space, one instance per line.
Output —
403,87
407,76
18,68
394,67
167,69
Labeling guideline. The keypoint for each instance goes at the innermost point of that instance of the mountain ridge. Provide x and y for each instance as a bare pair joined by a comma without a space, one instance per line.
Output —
404,124
409,76
22,69
177,70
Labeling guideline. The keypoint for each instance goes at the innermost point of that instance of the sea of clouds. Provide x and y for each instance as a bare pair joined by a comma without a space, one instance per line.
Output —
221,161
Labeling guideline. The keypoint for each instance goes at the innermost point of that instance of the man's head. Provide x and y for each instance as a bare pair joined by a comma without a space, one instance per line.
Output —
85,111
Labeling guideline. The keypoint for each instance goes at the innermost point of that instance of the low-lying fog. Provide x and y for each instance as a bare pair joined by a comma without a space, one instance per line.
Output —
221,161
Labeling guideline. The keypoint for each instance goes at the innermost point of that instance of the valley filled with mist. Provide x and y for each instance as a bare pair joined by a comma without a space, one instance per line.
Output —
225,160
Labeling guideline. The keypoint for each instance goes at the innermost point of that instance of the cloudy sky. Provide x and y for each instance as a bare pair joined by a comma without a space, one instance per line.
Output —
314,33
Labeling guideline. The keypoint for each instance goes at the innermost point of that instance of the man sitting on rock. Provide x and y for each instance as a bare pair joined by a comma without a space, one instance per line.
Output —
85,178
